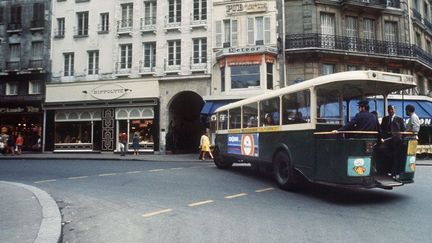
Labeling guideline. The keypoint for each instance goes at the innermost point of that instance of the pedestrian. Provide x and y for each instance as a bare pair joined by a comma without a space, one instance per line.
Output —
19,143
4,140
123,142
363,120
11,143
205,147
413,124
135,143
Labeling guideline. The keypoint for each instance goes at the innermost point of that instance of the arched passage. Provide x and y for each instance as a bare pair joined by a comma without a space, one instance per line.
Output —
184,128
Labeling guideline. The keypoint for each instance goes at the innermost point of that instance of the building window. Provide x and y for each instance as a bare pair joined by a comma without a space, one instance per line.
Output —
269,67
104,22
15,15
369,29
68,64
82,18
149,54
1,15
37,50
351,68
150,13
390,36
200,50
174,11
126,56
428,46
60,27
174,52
127,15
11,88
34,87
199,9
259,30
351,32
226,33
328,30
245,76
418,39
14,52
222,79
328,69
93,62
38,15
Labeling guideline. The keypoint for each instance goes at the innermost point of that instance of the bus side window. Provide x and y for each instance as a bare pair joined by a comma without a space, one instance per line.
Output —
235,118
296,107
222,120
269,112
250,115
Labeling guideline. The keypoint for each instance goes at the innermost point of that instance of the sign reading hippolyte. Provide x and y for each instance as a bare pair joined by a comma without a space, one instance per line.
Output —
108,92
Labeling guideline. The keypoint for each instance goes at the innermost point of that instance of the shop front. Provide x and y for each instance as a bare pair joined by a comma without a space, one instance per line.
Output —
93,118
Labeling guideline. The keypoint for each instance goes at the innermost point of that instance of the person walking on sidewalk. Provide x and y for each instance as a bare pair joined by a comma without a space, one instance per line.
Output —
205,147
135,143
11,144
19,143
123,142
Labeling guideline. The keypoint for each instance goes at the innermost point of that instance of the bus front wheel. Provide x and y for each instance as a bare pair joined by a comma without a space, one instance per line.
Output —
220,161
283,171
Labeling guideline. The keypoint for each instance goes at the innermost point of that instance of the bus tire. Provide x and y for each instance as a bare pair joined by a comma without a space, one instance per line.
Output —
220,161
283,171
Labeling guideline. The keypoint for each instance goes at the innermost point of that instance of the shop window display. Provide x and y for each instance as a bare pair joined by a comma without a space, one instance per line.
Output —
144,127
73,132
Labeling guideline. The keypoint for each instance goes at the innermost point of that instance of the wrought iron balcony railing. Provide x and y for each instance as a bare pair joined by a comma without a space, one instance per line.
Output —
13,65
315,41
148,24
36,64
147,67
37,23
124,26
14,26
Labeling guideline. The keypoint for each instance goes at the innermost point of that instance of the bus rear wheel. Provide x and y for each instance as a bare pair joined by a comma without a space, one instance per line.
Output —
283,172
219,160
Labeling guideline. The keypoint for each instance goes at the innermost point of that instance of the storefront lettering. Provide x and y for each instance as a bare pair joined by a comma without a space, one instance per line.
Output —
246,7
19,109
245,50
109,91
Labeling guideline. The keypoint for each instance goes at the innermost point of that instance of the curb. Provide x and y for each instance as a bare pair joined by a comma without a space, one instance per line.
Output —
50,227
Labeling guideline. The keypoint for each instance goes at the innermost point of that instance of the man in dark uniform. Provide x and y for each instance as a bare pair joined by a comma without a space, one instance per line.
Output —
363,121
391,142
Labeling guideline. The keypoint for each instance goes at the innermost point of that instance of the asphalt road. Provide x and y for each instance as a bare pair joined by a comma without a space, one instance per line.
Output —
135,201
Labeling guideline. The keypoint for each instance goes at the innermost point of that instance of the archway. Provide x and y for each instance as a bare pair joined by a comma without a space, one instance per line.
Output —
184,130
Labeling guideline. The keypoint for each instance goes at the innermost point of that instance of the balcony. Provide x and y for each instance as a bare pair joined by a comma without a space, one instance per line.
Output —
122,69
361,4
170,66
59,33
303,43
103,28
148,24
36,64
198,64
172,23
37,24
198,21
80,32
124,27
13,66
14,27
146,68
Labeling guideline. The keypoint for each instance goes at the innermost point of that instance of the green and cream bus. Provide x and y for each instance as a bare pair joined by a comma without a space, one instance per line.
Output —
292,130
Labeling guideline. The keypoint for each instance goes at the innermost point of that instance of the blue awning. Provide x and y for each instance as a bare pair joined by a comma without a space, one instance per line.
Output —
210,107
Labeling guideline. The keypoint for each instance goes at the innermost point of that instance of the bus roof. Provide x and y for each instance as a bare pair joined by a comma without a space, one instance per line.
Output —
351,84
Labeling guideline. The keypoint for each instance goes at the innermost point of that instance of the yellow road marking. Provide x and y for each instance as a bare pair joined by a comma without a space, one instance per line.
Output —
109,174
265,189
134,172
157,212
200,203
155,170
77,177
44,181
236,195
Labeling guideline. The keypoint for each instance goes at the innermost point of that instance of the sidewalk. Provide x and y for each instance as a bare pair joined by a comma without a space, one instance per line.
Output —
28,214
106,156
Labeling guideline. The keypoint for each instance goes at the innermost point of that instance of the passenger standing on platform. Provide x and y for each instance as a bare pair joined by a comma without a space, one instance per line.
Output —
413,124
123,142
19,143
363,121
391,123
135,143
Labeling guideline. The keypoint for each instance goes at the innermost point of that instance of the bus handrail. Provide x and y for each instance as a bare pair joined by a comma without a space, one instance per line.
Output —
359,132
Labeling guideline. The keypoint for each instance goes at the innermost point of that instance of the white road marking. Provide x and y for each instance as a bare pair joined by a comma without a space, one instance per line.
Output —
44,181
200,203
109,174
134,172
77,177
157,212
156,170
265,189
177,168
236,195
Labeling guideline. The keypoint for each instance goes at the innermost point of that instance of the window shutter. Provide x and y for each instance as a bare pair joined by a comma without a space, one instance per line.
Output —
234,34
219,33
250,31
267,30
